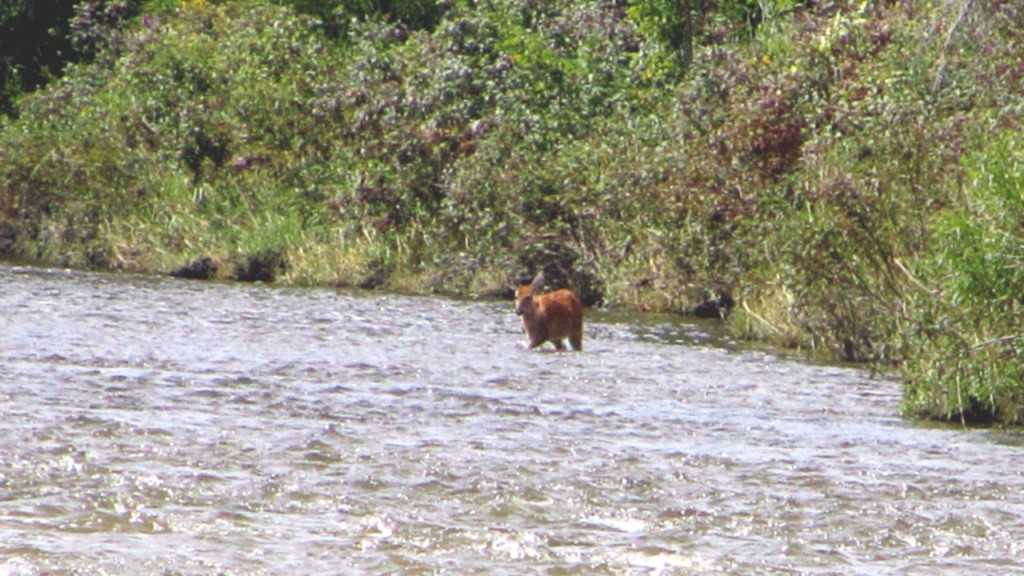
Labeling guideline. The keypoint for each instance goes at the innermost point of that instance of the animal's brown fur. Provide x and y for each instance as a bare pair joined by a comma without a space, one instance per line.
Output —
550,317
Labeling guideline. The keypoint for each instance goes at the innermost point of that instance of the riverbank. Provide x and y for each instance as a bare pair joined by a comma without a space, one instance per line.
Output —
849,175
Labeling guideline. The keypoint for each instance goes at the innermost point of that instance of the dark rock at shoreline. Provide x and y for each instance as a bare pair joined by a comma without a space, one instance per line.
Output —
717,308
377,278
260,268
203,268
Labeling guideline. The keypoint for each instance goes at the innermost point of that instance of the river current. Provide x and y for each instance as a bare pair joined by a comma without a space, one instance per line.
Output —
151,426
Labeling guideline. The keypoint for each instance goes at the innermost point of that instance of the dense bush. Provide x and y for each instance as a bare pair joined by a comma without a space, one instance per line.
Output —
967,329
848,173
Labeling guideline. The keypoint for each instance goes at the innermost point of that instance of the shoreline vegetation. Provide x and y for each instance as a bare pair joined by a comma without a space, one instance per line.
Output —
842,176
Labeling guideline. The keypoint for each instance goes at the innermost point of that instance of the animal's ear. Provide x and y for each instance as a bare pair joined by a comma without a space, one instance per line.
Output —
537,283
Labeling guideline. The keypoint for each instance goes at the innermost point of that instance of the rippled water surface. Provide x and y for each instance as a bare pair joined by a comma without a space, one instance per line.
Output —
152,426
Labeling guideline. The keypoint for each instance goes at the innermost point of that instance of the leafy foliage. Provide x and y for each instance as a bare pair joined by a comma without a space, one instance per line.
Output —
968,335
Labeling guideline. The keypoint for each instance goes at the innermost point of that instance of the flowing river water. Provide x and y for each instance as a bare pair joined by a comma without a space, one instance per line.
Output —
151,426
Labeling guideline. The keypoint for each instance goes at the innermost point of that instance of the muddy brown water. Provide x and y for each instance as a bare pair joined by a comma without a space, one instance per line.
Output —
162,427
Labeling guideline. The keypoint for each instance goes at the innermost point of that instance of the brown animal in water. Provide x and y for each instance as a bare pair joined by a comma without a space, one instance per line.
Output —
550,317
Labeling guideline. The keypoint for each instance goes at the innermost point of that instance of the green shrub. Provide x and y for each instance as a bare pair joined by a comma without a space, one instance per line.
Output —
212,92
967,357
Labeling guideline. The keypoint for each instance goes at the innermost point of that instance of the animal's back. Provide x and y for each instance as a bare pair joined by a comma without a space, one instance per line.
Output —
564,314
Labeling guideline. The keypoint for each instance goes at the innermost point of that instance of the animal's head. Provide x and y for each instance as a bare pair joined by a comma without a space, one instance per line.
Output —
525,295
